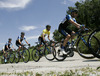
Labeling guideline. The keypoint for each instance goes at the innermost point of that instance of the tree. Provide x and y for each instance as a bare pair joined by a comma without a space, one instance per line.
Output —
57,36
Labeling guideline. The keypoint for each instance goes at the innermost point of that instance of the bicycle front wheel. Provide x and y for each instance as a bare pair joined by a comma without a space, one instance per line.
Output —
48,52
94,44
82,48
36,55
26,55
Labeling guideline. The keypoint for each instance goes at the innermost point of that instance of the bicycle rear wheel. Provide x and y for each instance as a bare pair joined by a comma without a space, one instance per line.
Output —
82,48
48,52
94,44
26,55
58,54
36,55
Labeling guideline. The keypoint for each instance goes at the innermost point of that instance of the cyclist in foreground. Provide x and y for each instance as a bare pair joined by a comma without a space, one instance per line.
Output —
65,31
19,40
8,46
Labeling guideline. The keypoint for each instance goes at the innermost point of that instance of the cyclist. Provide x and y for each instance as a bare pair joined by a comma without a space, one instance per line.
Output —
45,32
7,48
19,40
65,31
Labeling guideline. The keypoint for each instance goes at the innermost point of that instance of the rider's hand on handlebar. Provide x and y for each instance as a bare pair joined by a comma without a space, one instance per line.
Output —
29,45
82,26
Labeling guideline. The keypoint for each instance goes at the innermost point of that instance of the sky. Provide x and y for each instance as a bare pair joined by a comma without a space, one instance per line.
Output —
31,17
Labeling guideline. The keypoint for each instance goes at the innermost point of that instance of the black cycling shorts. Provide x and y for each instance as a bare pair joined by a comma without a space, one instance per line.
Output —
40,39
18,44
64,31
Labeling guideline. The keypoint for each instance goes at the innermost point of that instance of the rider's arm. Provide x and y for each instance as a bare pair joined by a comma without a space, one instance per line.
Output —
26,41
74,23
3,50
13,47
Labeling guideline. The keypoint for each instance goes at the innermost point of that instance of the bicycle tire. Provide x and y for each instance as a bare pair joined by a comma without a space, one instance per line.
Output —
11,56
27,55
56,53
81,47
97,45
17,57
35,55
48,52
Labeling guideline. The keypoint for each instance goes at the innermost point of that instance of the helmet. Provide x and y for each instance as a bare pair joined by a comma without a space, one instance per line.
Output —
48,26
75,10
10,39
22,33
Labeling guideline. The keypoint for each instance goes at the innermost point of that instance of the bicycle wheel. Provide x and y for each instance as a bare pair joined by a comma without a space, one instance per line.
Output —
58,54
26,55
11,57
35,55
17,57
82,48
48,52
94,44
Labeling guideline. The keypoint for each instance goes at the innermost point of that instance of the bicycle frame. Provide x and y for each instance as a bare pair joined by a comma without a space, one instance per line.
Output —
81,37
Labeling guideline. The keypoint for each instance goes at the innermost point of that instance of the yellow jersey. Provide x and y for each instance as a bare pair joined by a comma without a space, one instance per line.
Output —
45,32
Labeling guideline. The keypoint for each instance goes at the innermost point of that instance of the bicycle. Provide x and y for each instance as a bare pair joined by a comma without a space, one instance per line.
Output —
24,53
94,44
8,56
81,46
45,50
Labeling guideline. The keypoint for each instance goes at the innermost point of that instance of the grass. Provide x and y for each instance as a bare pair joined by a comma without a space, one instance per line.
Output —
88,71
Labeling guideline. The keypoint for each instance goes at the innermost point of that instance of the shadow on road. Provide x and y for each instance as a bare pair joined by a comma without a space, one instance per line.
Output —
94,60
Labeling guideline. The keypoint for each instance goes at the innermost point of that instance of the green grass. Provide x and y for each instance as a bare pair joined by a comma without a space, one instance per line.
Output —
88,71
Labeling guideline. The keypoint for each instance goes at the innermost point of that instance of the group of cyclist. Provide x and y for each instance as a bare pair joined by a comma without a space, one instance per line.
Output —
63,29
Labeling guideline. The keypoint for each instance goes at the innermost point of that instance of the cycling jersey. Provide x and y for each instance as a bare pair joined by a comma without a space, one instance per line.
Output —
45,32
40,39
9,46
66,22
21,39
63,29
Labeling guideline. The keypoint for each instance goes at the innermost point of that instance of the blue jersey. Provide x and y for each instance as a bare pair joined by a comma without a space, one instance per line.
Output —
20,38
66,22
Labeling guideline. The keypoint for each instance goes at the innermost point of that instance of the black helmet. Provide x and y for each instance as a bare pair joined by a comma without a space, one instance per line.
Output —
22,33
10,39
48,26
75,10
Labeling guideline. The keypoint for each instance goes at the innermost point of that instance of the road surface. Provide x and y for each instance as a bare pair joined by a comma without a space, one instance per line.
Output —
46,66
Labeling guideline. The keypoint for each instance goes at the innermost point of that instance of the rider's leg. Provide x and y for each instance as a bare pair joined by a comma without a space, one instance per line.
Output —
40,40
19,49
63,32
66,40
72,36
